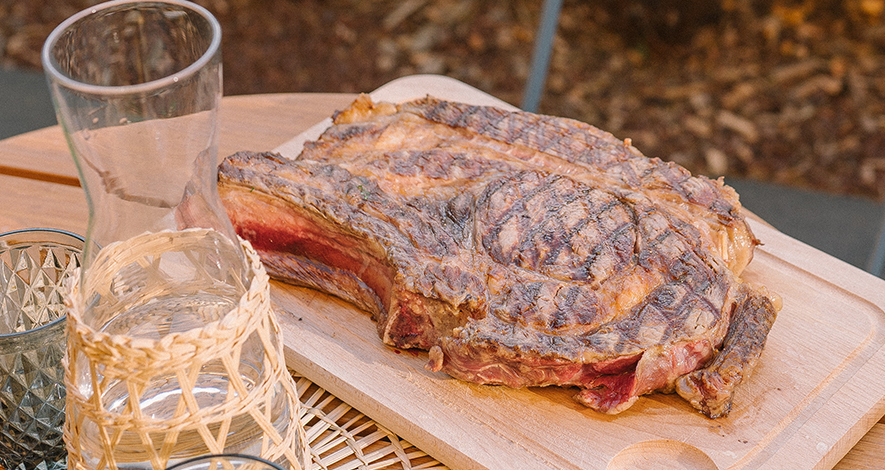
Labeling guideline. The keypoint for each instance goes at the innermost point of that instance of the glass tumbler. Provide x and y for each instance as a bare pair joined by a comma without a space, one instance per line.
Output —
173,349
226,462
34,264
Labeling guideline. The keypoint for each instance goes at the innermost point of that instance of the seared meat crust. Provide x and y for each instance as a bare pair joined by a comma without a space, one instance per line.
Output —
519,249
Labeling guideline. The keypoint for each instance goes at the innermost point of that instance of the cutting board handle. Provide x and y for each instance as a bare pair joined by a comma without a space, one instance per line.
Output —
661,454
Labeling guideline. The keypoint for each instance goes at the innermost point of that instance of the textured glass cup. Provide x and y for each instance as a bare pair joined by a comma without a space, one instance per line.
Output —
34,265
226,462
173,350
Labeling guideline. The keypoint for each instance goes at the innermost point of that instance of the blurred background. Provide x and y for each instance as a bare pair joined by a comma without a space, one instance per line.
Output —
785,98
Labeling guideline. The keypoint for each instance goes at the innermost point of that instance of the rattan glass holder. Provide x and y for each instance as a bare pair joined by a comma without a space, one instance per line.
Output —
97,362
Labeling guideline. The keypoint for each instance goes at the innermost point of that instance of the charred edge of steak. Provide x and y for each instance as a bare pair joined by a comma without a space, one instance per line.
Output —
711,388
607,385
656,370
300,271
297,244
486,361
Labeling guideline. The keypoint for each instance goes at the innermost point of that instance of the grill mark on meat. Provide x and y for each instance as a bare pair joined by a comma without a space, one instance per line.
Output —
551,225
599,152
466,115
667,309
540,305
552,139
537,237
527,129
511,223
621,240
519,249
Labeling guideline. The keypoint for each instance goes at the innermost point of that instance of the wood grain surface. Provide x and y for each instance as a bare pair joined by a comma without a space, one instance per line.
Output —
818,392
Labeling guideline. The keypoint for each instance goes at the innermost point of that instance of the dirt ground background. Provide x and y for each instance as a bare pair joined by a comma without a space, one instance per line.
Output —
783,91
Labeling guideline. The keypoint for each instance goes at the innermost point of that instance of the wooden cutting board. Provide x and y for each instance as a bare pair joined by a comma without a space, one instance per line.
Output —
818,388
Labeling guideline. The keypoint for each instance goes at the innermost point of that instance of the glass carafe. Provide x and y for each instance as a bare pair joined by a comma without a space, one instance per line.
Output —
173,349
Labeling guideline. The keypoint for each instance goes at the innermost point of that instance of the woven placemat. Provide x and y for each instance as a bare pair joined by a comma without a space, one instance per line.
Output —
342,438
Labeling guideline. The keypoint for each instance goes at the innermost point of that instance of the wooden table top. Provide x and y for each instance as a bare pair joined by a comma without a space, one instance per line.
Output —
41,189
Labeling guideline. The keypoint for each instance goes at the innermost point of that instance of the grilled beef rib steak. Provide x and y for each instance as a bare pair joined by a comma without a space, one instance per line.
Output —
518,249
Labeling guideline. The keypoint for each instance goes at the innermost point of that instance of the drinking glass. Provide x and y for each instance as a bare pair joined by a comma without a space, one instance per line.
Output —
137,89
226,462
173,349
34,265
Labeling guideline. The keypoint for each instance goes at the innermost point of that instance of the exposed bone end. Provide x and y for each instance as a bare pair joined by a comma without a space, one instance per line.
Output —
435,363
